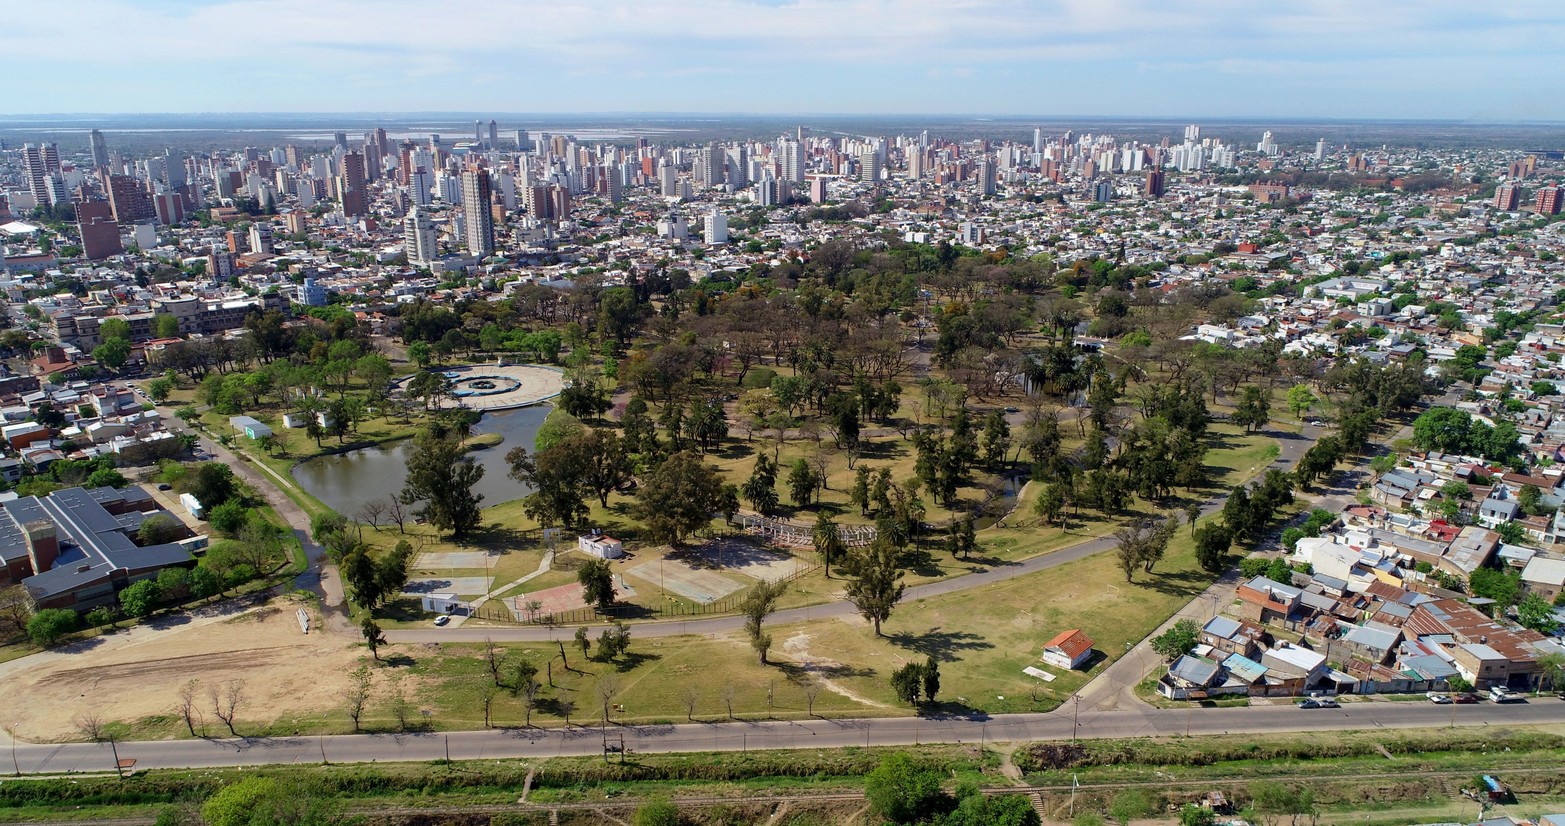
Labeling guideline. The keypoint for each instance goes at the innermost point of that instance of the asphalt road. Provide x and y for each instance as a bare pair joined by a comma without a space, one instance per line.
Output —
739,736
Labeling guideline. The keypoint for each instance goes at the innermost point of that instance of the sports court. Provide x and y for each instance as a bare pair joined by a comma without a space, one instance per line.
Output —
464,586
740,557
556,600
695,584
454,560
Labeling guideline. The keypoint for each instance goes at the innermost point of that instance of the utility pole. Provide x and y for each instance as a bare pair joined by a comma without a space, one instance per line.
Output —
1076,717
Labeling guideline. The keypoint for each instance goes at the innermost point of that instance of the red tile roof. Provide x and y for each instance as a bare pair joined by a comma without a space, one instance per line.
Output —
1072,642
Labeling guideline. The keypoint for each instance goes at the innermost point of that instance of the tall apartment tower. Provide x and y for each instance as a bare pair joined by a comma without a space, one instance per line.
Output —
476,200
100,149
350,186
494,135
129,200
1507,197
793,161
1320,149
1154,186
869,166
1547,201
39,162
984,173
418,237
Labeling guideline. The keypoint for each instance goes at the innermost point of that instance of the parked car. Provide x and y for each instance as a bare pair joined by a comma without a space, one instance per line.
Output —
442,620
1322,702
1440,699
1465,699
1501,694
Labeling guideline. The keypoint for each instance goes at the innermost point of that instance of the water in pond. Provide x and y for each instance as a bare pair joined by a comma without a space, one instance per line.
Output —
345,481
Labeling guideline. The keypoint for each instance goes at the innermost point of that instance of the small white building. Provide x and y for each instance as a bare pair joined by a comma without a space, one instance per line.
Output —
1068,650
600,546
440,603
192,505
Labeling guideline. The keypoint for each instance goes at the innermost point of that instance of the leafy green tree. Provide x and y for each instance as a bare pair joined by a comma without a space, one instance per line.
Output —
597,584
908,681
140,599
1536,613
1212,541
899,791
211,484
114,329
557,477
228,517
681,496
1502,587
930,679
1177,640
165,326
374,638
802,482
157,530
758,604
1192,815
1300,399
877,586
978,809
761,488
50,625
440,479
1253,410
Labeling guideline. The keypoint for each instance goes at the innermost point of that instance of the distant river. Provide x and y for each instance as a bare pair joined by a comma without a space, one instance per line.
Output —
345,481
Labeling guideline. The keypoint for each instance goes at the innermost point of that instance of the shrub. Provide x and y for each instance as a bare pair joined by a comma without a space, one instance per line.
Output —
657,813
234,805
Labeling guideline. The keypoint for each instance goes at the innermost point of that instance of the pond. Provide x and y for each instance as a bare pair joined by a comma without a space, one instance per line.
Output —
345,481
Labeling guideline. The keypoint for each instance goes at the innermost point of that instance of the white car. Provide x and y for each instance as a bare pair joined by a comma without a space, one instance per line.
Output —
1440,699
442,620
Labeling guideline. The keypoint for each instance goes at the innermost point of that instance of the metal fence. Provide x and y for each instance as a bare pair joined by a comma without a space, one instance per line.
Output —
507,611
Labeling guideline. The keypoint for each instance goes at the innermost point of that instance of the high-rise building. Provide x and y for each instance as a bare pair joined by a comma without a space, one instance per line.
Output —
1320,149
1547,201
100,149
130,200
478,131
99,232
818,189
793,161
261,237
419,183
476,198
220,265
716,230
340,138
869,166
984,174
494,135
1154,184
1507,197
522,142
350,186
39,162
1103,190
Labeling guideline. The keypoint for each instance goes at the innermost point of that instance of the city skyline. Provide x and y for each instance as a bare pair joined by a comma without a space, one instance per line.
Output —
1324,59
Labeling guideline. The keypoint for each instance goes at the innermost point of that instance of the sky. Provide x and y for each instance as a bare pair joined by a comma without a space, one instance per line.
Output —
1362,59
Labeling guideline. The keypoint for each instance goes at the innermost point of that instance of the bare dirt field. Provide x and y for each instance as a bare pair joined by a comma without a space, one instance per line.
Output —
134,675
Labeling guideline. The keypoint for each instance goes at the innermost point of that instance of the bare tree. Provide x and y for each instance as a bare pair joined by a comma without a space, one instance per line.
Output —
607,688
728,699
358,695
530,689
566,706
187,706
399,704
487,698
397,511
811,691
90,726
226,703
494,658
691,696
372,512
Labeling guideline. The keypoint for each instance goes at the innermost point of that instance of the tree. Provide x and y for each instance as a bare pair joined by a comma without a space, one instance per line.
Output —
1177,640
141,598
1050,505
802,482
828,542
238,803
1502,587
165,326
1300,399
908,681
1536,613
597,584
16,608
1192,815
979,809
226,703
188,709
373,636
1551,667
582,641
931,679
680,496
228,517
899,791
211,484
1253,410
441,476
877,587
761,488
157,530
758,604
556,477
1212,541
50,625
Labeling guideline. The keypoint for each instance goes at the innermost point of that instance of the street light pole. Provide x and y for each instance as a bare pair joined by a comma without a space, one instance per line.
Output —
1075,718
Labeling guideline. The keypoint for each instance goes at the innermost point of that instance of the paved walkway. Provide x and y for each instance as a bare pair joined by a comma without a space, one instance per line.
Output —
543,568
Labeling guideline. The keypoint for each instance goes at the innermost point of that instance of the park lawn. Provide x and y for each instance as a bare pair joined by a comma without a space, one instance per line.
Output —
984,638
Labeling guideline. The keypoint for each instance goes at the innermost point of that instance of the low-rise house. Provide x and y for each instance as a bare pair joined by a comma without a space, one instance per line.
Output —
1544,576
1068,650
1371,642
1481,647
1231,636
1264,601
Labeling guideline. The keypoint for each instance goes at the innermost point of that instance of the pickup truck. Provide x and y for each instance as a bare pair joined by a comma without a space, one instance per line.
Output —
1500,694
